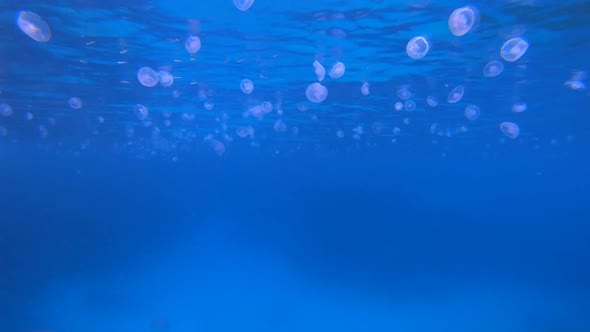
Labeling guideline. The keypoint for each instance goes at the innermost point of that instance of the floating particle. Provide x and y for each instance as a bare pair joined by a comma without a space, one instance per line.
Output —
493,68
417,47
461,20
193,44
246,86
456,94
510,129
75,103
166,79
472,112
365,88
316,93
513,49
337,70
319,70
243,5
33,26
148,77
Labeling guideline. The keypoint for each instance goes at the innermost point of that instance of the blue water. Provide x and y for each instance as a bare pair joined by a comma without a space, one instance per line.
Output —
343,215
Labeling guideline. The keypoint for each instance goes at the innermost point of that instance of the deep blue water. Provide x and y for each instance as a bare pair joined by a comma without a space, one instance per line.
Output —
343,215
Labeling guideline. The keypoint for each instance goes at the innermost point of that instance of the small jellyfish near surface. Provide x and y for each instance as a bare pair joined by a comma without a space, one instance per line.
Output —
398,106
75,103
510,129
148,77
513,49
320,71
193,44
316,93
5,110
33,26
456,94
243,5
337,70
365,89
432,101
417,47
472,112
461,20
519,107
493,68
246,86
141,112
410,105
166,79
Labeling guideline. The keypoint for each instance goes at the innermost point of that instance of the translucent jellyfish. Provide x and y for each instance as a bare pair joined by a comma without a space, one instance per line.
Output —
5,110
319,70
461,20
141,112
396,131
148,77
365,88
166,79
417,47
33,26
472,112
456,94
209,105
280,126
340,133
337,70
513,49
509,129
266,107
75,103
246,86
3,131
404,93
432,101
193,44
410,105
29,116
398,106
493,68
243,5
519,107
316,93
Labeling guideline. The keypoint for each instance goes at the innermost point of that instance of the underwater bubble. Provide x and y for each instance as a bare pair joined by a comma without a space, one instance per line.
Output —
432,101
316,93
5,110
141,112
75,103
243,5
33,26
510,129
456,94
461,20
519,107
417,47
319,70
513,49
493,68
337,70
166,79
246,86
193,44
472,112
148,77
365,88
